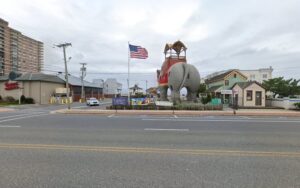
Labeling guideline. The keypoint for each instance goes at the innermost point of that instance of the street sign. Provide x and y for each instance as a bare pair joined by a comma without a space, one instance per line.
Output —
226,92
120,101
163,103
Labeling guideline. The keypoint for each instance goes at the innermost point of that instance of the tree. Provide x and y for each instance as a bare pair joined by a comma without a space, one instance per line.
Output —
282,87
202,88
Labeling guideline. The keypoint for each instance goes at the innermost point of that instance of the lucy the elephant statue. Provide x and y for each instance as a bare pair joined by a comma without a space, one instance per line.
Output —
183,75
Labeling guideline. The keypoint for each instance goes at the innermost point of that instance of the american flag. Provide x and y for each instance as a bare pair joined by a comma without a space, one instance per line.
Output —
138,52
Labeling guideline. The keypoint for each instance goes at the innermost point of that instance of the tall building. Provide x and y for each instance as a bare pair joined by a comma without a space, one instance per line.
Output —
18,52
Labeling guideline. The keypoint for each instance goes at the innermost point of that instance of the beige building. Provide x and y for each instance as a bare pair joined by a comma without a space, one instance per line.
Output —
258,75
38,86
18,52
249,94
43,88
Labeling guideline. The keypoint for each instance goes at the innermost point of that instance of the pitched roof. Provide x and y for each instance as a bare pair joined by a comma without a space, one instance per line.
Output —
222,76
213,88
75,81
39,77
244,85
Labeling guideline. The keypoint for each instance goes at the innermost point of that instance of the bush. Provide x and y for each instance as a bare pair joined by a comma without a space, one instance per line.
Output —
23,98
29,101
206,100
297,105
9,99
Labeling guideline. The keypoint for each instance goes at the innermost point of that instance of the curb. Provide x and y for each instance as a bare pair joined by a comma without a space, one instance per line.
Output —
181,113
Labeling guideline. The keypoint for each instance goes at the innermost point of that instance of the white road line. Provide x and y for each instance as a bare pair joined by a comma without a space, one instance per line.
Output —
23,117
110,116
9,126
76,107
154,129
175,116
6,117
225,120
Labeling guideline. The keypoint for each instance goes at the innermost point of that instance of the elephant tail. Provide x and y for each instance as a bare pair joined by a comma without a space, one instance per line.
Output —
185,75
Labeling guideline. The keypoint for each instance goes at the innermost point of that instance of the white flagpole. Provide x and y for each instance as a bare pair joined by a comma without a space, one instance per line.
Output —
128,74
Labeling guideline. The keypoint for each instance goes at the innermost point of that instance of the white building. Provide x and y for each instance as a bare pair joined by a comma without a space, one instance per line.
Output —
136,90
112,87
258,75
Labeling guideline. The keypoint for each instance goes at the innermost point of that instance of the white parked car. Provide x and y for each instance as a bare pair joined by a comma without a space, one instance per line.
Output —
92,102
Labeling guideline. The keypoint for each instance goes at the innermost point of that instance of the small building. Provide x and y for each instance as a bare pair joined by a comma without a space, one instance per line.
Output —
249,94
42,87
90,89
152,91
136,90
112,87
220,85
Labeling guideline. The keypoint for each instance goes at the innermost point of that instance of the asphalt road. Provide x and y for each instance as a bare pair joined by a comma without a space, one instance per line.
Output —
40,149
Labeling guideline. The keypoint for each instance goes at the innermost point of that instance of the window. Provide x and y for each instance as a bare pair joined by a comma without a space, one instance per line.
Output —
265,76
252,77
234,75
226,82
249,95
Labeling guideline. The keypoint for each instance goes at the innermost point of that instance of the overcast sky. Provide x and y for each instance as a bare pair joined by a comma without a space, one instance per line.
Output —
219,34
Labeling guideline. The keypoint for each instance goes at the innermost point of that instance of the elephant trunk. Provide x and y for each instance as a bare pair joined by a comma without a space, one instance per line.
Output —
185,75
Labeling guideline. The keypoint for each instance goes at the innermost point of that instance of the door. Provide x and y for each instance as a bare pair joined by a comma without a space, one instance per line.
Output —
258,98
236,100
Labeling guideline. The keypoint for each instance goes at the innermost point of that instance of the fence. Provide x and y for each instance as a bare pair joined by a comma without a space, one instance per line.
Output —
285,103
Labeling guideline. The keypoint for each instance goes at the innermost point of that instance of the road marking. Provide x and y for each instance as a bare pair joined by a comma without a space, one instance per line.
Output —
6,117
77,107
175,116
23,117
154,129
223,120
10,126
199,152
110,116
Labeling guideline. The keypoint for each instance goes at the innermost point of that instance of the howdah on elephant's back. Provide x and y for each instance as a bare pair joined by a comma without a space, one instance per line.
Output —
175,74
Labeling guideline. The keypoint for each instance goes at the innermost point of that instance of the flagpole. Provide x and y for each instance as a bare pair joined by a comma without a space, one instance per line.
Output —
128,74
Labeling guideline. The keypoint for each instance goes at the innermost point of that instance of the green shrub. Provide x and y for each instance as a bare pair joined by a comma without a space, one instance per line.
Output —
297,105
23,98
9,99
29,101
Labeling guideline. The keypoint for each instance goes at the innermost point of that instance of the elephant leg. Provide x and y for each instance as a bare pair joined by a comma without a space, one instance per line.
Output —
163,93
176,97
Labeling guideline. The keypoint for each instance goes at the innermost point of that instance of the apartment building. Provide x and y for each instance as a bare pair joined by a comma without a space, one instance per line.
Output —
258,75
18,52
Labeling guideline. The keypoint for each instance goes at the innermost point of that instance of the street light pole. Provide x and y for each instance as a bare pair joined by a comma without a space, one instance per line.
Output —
64,46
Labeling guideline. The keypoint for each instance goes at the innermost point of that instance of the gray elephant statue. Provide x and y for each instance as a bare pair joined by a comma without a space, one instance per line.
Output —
183,75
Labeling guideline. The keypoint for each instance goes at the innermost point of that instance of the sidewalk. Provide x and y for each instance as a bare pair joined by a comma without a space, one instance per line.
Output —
241,112
3,109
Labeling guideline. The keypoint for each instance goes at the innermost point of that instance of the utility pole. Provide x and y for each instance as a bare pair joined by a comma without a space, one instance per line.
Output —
146,88
64,46
83,74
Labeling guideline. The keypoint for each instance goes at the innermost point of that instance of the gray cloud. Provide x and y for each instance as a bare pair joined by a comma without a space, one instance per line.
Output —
219,35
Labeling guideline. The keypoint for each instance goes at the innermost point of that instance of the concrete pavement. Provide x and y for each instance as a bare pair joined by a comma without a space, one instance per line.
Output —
39,149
